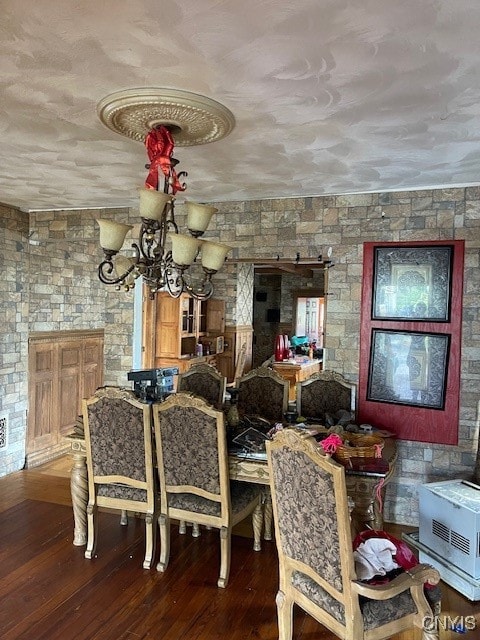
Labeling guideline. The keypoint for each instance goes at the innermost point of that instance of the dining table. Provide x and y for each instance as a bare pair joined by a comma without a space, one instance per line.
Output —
366,481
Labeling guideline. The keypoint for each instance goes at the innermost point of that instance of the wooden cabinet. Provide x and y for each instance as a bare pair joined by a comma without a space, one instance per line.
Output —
172,328
237,337
64,367
295,372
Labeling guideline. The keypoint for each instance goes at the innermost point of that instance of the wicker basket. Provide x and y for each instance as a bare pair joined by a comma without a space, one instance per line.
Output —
359,446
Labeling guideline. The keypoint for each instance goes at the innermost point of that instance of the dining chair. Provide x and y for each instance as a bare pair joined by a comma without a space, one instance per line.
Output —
118,441
192,461
205,381
323,394
316,561
263,392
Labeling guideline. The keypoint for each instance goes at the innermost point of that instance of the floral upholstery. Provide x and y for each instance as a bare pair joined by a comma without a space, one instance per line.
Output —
264,393
117,446
204,381
320,548
324,393
312,527
190,450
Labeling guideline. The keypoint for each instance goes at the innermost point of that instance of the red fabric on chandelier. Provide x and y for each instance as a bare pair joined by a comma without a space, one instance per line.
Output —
160,145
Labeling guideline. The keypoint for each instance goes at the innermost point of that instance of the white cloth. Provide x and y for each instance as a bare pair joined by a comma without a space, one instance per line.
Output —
374,557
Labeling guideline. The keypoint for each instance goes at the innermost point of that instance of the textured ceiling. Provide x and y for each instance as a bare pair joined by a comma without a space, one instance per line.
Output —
329,96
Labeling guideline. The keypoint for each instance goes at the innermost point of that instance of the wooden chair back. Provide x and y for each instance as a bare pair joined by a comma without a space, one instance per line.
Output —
204,381
323,394
263,392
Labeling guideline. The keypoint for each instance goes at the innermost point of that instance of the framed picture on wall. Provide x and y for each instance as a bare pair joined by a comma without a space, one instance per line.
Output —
408,367
412,283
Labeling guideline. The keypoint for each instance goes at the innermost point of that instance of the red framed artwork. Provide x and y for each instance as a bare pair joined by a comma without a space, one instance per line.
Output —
410,339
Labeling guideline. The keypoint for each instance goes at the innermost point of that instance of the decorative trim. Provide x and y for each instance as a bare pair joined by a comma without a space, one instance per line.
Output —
192,118
72,334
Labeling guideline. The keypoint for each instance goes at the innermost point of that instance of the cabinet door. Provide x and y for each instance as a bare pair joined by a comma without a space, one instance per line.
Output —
215,316
167,329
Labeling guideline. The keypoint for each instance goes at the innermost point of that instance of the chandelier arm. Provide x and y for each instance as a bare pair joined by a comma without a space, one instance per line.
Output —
146,240
177,280
204,290
107,267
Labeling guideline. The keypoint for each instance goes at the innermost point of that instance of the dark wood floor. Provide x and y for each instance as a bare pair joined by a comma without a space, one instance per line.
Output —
49,591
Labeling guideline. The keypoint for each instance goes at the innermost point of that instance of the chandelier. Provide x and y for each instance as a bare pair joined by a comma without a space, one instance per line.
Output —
166,259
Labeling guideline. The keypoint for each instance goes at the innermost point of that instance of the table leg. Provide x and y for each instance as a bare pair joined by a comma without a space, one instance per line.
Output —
267,514
79,491
257,520
378,501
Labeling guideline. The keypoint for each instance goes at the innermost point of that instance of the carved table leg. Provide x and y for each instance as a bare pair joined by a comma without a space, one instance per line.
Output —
267,514
79,491
257,520
378,501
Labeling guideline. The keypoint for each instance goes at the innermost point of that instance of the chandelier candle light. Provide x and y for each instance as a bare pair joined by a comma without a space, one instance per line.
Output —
161,267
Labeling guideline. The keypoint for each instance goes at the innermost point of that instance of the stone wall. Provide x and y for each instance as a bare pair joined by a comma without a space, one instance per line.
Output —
311,225
14,313
65,294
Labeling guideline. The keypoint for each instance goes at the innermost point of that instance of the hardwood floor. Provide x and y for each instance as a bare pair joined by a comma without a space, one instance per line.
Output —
49,591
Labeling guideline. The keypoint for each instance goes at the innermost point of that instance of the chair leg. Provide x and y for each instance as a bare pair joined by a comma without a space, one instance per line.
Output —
92,524
123,518
164,523
285,616
150,540
195,530
225,548
182,529
257,520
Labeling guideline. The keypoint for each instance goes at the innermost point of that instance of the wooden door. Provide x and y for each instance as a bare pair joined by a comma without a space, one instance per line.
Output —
64,367
42,401
69,384
92,377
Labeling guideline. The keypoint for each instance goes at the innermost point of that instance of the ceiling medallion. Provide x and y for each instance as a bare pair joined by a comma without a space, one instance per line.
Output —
193,119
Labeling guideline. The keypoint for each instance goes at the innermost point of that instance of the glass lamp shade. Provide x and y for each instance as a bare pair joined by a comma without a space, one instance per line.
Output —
122,264
184,248
112,234
199,215
152,203
213,255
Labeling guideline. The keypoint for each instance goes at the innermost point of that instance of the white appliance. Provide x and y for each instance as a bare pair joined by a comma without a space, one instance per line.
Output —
450,523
